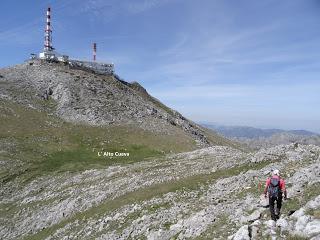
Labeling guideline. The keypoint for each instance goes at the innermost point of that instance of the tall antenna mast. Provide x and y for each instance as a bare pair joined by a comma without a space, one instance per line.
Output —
94,51
48,33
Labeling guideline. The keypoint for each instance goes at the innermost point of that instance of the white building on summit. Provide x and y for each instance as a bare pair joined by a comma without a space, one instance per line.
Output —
49,53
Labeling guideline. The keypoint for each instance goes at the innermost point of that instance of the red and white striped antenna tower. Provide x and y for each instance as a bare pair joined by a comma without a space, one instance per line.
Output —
48,33
94,52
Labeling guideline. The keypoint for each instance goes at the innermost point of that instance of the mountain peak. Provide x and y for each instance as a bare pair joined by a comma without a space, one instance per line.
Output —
81,95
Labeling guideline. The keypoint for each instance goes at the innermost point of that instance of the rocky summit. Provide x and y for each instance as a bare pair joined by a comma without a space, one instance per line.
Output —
85,155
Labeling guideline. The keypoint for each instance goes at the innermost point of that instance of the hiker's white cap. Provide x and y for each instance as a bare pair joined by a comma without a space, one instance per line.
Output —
276,172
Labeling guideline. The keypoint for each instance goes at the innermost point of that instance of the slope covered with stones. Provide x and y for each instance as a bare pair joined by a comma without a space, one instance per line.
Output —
208,193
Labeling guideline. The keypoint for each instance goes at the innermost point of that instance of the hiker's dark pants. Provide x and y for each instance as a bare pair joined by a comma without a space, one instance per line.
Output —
272,200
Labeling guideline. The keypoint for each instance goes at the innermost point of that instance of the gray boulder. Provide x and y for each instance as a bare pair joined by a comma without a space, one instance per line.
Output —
312,228
242,233
283,224
301,223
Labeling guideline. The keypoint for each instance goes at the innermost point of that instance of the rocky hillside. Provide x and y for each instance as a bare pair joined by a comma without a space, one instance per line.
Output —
209,193
56,117
180,181
82,96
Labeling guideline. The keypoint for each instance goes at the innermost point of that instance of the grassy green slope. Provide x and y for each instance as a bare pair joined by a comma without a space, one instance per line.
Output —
40,142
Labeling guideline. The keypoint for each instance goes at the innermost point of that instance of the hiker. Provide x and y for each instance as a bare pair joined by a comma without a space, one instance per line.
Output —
275,188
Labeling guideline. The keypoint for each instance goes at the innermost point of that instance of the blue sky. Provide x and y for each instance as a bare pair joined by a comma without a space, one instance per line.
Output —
231,62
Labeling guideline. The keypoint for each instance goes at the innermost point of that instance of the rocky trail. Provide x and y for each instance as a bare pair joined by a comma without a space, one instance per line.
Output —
210,193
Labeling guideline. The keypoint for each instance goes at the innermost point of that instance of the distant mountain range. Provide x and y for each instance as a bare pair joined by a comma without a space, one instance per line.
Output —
257,138
251,132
